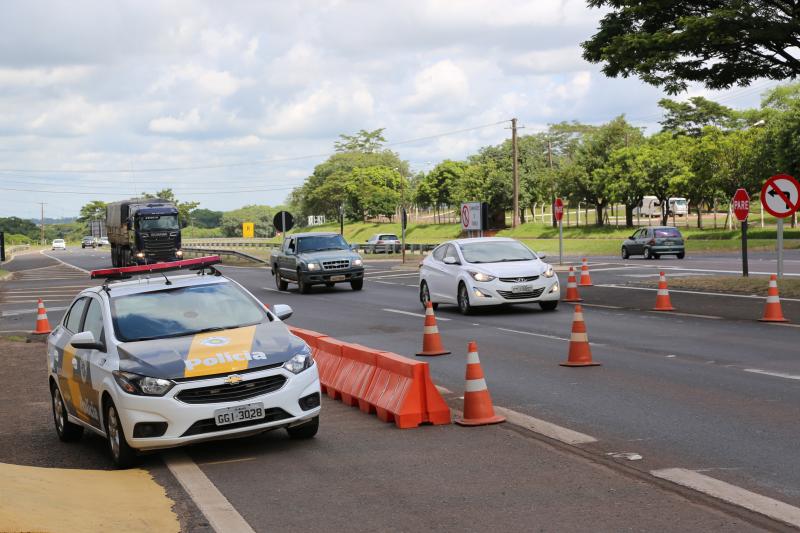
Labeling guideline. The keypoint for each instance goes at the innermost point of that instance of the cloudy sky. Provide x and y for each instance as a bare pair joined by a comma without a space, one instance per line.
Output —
233,103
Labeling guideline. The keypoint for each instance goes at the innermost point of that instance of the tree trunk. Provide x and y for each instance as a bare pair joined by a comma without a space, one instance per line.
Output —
599,211
699,215
628,216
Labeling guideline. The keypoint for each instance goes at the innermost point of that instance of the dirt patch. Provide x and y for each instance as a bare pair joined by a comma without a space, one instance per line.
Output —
788,287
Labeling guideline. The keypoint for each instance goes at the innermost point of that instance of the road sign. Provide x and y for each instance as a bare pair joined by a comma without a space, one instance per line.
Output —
283,221
248,230
780,195
741,204
471,216
558,209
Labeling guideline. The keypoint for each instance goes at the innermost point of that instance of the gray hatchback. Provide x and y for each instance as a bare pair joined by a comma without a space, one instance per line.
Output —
654,242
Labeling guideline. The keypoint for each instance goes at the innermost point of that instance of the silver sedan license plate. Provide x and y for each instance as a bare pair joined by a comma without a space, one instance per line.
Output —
241,413
337,278
522,288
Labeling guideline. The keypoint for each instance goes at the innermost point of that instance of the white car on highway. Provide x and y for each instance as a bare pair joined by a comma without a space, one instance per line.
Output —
487,271
166,360
59,244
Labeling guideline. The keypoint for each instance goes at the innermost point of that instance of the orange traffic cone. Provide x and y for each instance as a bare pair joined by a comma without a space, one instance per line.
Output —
663,302
478,408
586,279
431,341
580,354
572,288
772,311
42,324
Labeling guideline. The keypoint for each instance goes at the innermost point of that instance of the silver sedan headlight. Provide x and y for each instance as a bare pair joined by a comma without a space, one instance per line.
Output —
549,273
480,276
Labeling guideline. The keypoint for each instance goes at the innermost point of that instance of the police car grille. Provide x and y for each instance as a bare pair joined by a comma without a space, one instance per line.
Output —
232,393
208,425
336,265
508,295
519,279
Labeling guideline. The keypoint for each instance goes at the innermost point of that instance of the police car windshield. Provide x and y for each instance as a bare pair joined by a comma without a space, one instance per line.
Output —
321,242
496,252
151,222
182,311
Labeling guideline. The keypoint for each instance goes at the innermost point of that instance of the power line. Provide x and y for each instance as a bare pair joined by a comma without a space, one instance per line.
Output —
81,193
233,165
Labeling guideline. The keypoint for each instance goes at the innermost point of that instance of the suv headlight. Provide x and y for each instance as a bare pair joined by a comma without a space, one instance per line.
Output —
313,266
142,385
480,276
299,362
549,273
358,262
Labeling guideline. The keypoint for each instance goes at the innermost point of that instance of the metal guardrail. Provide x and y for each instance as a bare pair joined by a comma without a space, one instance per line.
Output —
234,253
11,250
266,244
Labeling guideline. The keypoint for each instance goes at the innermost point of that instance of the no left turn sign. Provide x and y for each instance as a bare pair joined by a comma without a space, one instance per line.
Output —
780,195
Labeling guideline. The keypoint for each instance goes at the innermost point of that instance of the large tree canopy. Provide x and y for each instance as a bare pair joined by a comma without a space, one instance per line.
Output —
720,43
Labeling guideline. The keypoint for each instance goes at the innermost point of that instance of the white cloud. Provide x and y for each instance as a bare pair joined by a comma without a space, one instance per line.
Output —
44,77
442,84
207,81
188,122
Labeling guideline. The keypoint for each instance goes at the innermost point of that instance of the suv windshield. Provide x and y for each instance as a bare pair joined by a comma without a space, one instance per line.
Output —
496,252
150,222
183,311
321,242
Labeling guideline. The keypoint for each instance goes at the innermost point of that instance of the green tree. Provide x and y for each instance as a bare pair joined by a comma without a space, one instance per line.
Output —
94,210
720,43
665,167
689,118
436,188
206,218
364,141
260,215
184,208
372,191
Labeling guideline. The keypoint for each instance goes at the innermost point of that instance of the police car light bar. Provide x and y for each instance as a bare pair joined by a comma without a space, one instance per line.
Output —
127,272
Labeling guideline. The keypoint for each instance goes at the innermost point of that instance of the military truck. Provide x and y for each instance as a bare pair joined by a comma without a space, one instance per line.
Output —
143,231
316,258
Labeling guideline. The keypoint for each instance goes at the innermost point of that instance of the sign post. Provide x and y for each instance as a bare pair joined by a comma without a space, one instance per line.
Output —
471,216
558,212
741,208
403,222
780,197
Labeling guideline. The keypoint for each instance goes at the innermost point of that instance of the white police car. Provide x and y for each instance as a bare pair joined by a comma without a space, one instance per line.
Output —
164,360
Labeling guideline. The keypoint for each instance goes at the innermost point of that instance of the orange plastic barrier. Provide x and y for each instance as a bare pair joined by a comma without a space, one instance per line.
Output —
396,388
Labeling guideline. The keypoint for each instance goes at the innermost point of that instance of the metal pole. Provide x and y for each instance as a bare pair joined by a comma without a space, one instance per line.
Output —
745,270
560,243
780,247
283,224
515,175
403,217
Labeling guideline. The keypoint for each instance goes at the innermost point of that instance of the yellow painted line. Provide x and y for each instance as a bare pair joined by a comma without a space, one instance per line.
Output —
61,499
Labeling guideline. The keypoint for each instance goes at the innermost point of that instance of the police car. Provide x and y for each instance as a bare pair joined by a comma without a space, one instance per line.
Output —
172,357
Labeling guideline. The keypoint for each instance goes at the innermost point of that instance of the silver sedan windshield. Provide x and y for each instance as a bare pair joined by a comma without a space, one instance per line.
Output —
496,252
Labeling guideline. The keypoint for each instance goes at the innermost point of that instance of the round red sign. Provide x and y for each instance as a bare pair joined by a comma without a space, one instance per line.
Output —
558,209
741,204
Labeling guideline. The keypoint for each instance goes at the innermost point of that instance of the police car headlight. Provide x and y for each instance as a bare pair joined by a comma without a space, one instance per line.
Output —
299,362
357,262
313,266
549,272
142,385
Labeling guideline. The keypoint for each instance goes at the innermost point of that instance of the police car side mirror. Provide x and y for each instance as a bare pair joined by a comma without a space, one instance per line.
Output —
85,341
282,311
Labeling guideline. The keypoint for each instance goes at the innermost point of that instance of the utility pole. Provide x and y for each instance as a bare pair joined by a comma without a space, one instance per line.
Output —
42,229
550,163
515,170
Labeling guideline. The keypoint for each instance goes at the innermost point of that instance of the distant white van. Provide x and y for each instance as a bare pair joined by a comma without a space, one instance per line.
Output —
650,207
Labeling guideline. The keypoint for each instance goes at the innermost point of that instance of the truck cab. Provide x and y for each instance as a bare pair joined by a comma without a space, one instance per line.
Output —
143,232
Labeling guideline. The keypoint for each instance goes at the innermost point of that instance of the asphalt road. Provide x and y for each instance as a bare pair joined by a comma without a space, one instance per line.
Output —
716,395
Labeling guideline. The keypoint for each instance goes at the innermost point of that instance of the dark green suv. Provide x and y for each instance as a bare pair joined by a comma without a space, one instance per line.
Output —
654,242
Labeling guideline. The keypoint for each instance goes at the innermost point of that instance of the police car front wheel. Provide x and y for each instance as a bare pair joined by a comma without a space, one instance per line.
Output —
66,430
305,431
123,455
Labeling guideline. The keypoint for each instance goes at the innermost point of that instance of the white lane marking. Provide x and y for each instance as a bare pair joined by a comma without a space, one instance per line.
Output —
757,503
542,427
212,503
419,315
686,269
390,276
692,315
271,289
603,306
534,334
415,286
750,296
56,288
654,275
382,282
28,311
64,262
775,374
784,324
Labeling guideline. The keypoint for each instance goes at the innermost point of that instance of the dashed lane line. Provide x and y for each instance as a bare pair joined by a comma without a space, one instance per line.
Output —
64,262
691,315
774,374
418,315
534,334
222,516
29,311
721,490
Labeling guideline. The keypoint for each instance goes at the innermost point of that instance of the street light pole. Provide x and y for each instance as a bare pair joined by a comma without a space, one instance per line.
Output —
515,171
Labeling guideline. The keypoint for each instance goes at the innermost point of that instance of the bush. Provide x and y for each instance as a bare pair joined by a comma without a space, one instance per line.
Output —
194,232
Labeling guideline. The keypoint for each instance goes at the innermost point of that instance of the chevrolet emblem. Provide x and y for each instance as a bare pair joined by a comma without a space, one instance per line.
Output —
233,379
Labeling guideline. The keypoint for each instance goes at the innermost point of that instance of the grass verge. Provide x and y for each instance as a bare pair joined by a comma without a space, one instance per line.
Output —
788,287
